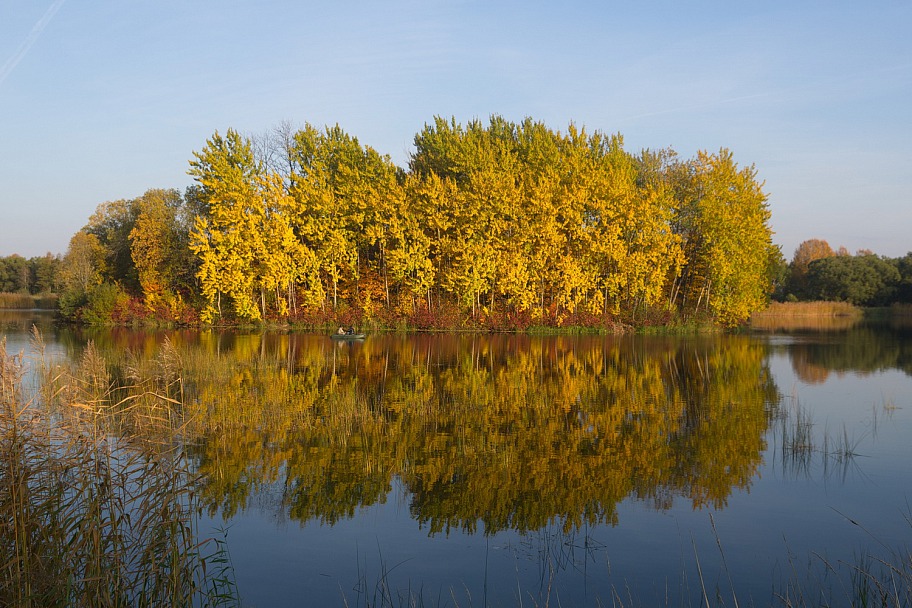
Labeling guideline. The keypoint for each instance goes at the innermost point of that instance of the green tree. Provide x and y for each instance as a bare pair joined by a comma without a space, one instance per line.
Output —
904,289
81,272
45,274
112,223
865,280
14,274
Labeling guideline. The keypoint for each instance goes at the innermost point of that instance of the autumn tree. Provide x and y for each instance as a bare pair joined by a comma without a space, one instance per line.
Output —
724,222
160,249
805,253
227,239
495,217
328,218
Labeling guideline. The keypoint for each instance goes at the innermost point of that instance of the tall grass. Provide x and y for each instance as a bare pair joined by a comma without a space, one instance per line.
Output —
93,512
805,309
818,316
27,302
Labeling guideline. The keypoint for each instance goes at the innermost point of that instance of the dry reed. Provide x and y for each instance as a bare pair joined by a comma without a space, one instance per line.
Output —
818,316
21,301
89,514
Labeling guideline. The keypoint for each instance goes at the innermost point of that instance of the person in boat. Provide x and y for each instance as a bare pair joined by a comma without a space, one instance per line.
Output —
341,331
351,331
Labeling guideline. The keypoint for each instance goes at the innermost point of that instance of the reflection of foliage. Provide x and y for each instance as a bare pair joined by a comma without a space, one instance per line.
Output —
866,349
508,431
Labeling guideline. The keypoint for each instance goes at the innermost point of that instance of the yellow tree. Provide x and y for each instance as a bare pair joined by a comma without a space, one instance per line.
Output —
227,238
287,261
580,213
332,187
411,235
540,232
472,161
637,249
733,223
158,245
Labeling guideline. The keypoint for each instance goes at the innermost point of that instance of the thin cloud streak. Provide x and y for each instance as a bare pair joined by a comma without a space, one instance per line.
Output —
30,40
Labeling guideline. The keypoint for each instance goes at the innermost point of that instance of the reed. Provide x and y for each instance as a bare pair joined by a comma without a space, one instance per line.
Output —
89,514
810,309
819,316
21,301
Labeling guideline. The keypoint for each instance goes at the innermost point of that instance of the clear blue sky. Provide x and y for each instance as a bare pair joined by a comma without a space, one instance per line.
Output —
105,99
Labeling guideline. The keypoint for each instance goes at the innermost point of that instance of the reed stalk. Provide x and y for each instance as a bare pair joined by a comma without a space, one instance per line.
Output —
91,515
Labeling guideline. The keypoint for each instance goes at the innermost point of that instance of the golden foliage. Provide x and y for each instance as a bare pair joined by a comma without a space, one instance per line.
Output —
508,217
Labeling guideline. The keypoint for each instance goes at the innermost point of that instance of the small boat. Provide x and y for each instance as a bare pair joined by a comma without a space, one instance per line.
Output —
347,336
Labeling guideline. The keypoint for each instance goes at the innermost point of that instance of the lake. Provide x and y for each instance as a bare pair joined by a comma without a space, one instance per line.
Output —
502,470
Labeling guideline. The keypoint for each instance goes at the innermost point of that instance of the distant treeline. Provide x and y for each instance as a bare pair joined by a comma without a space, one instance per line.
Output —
817,272
31,276
29,283
501,225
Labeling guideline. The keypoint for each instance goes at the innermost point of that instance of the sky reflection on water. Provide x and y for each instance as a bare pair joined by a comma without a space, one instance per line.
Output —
851,388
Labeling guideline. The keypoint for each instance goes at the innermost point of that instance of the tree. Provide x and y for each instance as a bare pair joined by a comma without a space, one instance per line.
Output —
288,261
904,289
730,241
807,252
227,239
346,197
866,280
637,249
14,274
159,249
323,212
45,272
81,271
112,223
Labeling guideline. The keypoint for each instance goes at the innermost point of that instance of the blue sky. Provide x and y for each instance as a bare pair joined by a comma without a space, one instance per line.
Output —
103,100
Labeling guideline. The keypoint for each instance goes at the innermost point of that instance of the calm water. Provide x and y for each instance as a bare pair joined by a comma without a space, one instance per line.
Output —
499,470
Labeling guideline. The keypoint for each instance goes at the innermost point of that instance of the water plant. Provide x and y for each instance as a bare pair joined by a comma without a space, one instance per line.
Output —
91,515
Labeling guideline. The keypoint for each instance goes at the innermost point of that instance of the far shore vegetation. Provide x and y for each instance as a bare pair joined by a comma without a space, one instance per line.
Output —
496,226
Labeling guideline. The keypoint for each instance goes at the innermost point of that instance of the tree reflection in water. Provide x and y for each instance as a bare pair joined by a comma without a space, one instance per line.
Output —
505,431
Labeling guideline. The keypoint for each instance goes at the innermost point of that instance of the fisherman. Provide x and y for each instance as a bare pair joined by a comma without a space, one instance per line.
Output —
341,331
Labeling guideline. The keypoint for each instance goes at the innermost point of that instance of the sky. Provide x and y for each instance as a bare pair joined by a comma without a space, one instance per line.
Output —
103,100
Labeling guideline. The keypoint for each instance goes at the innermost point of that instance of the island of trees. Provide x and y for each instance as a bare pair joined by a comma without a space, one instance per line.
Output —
500,225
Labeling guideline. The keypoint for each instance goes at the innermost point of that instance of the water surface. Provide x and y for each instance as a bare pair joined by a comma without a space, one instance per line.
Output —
499,470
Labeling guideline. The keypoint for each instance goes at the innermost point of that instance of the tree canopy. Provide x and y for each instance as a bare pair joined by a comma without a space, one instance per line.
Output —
492,224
